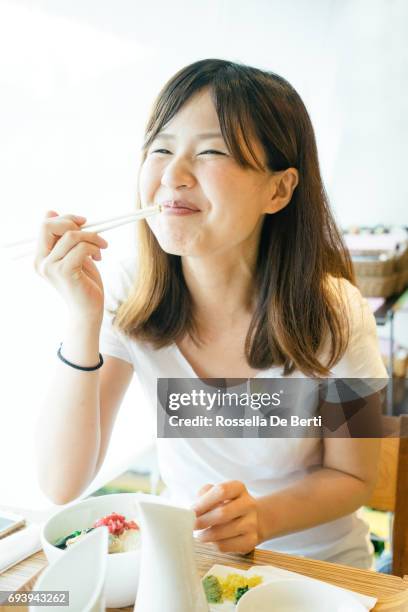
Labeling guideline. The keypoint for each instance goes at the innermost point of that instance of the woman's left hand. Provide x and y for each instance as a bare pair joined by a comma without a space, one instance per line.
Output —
228,516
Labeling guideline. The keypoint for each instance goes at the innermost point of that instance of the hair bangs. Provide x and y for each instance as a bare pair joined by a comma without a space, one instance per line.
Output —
232,105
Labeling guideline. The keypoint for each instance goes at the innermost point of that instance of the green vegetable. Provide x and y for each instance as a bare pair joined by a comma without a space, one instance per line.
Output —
213,590
240,592
62,542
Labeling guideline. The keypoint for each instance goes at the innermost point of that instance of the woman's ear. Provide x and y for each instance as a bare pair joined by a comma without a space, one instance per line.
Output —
283,184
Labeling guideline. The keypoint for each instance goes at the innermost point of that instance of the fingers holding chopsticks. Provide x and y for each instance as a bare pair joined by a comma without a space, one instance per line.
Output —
74,238
53,227
61,234
65,256
76,223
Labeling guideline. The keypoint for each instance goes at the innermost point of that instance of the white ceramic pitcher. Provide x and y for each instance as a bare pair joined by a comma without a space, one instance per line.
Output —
169,581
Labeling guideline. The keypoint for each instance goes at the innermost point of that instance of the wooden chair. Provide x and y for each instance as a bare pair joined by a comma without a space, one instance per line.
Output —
391,491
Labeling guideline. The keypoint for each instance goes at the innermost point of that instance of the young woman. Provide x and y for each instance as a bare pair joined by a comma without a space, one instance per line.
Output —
243,275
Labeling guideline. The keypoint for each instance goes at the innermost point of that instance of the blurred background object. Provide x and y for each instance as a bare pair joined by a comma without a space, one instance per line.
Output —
380,258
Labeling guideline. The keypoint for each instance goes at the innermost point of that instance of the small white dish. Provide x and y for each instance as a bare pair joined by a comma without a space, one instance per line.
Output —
122,573
81,571
295,595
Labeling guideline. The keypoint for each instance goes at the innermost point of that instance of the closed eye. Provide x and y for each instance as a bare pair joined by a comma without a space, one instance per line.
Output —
212,151
208,151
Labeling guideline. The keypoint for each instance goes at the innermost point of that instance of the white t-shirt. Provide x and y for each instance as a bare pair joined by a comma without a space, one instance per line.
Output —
263,464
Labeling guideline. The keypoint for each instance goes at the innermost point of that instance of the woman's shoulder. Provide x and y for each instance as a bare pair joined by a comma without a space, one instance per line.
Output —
352,303
362,357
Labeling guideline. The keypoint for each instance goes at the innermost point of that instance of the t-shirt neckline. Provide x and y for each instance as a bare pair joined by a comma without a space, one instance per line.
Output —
183,361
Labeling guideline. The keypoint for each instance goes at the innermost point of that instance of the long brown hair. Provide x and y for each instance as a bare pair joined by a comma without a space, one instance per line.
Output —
300,247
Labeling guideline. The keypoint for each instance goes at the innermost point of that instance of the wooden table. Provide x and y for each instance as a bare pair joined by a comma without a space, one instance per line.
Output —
391,591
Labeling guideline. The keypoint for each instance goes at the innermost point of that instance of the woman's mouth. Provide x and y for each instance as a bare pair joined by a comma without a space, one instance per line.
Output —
179,207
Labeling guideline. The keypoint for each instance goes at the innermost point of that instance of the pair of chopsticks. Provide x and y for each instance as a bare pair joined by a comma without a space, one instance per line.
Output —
99,226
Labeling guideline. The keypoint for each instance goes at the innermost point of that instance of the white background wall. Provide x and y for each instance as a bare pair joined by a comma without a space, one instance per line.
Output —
77,78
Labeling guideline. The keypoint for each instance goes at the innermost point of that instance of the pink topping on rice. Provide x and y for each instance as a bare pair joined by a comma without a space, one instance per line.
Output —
116,523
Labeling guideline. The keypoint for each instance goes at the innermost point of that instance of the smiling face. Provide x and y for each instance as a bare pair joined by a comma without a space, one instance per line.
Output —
212,204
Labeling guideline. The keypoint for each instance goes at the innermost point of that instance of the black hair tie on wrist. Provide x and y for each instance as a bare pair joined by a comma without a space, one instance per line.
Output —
77,367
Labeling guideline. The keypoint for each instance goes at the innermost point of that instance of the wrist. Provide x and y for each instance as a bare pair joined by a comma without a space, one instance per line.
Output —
75,366
80,343
85,317
261,527
85,325
267,522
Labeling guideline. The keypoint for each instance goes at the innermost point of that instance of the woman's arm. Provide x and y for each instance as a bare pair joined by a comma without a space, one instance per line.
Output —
76,422
341,486
80,407
236,521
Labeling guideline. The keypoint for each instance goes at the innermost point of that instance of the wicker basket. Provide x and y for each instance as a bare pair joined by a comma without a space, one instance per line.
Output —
401,262
381,277
378,286
374,268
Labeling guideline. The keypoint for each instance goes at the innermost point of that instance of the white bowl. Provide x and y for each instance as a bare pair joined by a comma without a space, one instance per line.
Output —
292,595
122,573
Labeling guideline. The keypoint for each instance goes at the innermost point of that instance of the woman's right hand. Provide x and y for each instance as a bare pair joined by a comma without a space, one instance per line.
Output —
64,256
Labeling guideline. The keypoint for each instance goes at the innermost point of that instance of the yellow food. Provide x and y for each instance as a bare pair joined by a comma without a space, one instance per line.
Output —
232,582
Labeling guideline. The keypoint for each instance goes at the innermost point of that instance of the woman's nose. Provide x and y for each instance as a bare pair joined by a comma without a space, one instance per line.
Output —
177,174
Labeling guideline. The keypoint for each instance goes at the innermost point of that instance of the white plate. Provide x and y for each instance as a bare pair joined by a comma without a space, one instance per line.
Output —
295,595
279,584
